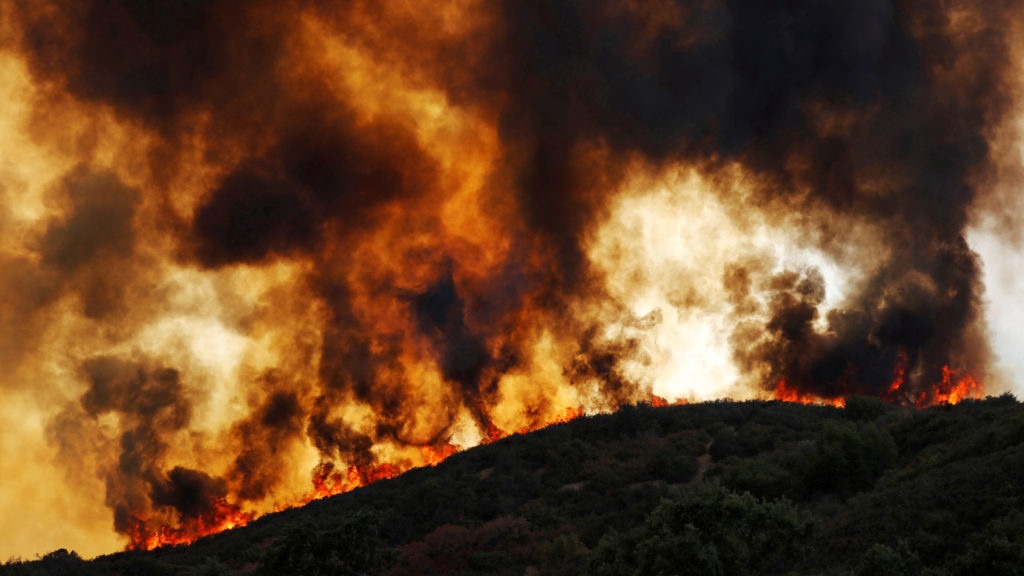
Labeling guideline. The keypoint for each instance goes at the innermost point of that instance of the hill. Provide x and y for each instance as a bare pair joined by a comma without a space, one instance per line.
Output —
761,487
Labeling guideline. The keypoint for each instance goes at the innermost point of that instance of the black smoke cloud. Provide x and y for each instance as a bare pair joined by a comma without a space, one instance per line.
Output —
325,171
155,61
440,313
730,81
272,428
191,492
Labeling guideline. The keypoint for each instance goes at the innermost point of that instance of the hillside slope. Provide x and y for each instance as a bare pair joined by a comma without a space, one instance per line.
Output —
714,488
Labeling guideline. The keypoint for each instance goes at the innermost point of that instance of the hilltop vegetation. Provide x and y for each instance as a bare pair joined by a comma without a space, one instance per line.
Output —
727,488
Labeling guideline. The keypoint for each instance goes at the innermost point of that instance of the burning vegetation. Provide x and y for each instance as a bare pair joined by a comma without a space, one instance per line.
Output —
258,253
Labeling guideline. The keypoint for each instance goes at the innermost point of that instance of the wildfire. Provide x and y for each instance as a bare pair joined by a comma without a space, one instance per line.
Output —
788,394
658,401
493,434
899,375
951,391
434,456
221,516
565,415
329,482
397,258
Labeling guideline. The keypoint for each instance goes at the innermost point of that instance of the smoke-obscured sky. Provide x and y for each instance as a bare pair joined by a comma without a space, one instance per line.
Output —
252,249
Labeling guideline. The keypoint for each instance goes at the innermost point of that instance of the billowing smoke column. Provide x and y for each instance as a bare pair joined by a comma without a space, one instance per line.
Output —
247,240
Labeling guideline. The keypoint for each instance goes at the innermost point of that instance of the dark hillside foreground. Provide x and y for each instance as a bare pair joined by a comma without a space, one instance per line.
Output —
869,489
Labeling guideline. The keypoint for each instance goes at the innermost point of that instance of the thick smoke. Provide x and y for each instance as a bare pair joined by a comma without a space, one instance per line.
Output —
153,407
462,355
384,221
272,427
837,108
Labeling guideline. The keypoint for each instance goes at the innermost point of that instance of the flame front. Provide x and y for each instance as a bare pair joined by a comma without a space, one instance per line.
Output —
259,253
787,394
951,390
948,391
143,535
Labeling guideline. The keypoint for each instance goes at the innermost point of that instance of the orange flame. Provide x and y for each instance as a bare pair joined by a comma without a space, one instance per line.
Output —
899,373
950,392
788,394
434,456
493,434
222,516
328,483
567,414
659,401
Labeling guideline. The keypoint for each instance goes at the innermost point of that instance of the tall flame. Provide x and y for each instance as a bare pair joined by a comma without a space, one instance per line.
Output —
951,390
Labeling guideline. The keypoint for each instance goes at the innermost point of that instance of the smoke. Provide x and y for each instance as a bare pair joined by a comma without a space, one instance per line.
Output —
258,253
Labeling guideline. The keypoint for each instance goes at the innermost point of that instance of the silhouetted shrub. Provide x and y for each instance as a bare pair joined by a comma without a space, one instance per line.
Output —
708,529
759,476
882,560
849,457
350,550
865,408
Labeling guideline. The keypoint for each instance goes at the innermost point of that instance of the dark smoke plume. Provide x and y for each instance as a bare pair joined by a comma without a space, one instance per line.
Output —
849,111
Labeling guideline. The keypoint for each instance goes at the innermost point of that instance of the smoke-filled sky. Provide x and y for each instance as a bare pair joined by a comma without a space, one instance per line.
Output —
250,249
